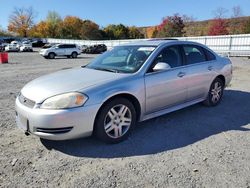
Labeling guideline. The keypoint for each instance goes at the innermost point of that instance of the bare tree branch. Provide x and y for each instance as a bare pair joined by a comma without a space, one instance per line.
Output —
21,20
237,11
220,12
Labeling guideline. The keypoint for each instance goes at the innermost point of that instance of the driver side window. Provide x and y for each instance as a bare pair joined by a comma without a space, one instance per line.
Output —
170,55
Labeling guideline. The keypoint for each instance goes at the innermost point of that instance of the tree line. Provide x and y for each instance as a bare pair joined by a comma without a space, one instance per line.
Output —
21,23
183,25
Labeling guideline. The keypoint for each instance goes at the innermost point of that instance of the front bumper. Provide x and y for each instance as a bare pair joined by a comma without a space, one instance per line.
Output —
43,53
56,124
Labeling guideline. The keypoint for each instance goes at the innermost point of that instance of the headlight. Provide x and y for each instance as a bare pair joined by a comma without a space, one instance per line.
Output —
63,101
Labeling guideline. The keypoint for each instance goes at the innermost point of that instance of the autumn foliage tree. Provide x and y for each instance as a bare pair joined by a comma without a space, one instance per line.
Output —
218,27
171,26
39,30
21,21
72,27
91,30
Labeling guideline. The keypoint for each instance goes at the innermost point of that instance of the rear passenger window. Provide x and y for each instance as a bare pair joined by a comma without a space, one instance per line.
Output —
210,55
194,54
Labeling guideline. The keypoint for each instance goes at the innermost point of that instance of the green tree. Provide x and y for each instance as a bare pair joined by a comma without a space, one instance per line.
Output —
117,31
54,23
109,30
246,28
134,33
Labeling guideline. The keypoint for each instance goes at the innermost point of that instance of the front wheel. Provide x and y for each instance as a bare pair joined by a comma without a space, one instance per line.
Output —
115,121
215,93
51,56
74,55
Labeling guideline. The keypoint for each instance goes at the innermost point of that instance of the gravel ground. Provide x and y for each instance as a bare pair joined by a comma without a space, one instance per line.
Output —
194,147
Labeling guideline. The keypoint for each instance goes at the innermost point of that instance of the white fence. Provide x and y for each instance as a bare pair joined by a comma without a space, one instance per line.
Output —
232,45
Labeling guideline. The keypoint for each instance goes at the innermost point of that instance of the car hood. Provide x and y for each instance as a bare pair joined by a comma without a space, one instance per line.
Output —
65,81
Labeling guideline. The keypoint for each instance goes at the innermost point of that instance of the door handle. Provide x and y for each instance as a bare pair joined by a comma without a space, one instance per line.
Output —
210,68
181,74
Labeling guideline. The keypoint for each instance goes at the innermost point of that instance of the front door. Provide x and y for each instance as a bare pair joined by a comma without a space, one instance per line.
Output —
165,89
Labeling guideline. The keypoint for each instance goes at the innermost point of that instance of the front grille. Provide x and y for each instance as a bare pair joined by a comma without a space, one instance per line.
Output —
54,130
26,102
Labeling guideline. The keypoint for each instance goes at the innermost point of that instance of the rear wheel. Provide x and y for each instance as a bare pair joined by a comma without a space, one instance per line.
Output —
51,55
215,93
115,121
74,55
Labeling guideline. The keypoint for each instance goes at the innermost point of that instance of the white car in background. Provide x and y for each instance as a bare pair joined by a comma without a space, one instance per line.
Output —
68,50
26,47
13,46
17,43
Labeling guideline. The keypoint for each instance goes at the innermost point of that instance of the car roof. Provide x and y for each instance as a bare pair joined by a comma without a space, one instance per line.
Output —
159,42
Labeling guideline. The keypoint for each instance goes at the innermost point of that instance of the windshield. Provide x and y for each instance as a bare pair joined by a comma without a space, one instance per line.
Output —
125,59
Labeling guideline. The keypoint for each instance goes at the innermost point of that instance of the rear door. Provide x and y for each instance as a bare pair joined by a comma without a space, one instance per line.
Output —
69,49
60,50
200,69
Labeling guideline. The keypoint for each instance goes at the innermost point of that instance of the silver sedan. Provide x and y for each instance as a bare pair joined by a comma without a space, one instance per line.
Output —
131,83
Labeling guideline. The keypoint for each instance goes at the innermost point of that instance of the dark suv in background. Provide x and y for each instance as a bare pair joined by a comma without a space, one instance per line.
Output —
95,49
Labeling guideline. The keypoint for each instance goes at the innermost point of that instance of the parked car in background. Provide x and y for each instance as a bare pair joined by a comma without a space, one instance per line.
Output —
96,49
13,47
68,50
1,47
83,48
38,43
133,82
26,47
8,40
16,43
49,45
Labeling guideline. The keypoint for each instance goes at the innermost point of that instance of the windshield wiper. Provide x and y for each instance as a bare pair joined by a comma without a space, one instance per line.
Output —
106,69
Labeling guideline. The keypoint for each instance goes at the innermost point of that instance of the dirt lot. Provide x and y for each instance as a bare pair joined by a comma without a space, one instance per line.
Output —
194,147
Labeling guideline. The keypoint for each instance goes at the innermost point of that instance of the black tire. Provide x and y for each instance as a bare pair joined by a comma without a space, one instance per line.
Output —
211,99
51,55
74,55
103,118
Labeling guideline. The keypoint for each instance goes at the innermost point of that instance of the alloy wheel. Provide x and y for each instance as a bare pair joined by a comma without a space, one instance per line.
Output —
216,92
117,121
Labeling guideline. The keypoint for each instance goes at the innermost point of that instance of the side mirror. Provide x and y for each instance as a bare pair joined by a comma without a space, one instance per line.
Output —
161,66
